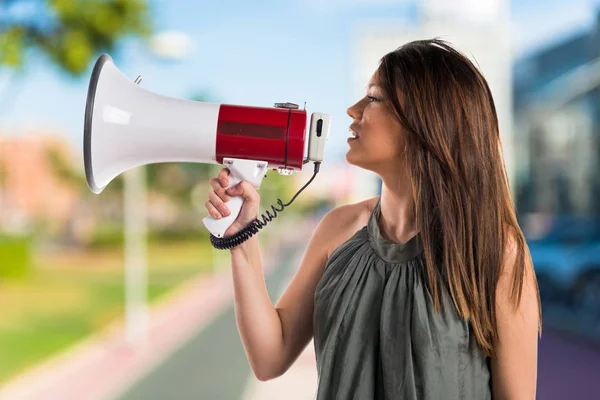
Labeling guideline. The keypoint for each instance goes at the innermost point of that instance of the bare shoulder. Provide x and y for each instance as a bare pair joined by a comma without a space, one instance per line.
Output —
341,223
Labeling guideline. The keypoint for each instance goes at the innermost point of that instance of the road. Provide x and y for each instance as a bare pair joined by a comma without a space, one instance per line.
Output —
213,364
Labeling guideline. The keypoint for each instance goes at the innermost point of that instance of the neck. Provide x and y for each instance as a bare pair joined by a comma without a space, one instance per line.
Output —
397,220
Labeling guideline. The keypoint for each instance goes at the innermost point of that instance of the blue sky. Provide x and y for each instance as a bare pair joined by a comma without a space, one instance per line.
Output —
245,53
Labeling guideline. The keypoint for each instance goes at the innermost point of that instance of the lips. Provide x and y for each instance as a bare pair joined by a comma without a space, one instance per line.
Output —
354,131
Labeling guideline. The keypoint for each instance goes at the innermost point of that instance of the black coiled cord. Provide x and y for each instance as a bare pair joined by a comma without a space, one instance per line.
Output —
255,225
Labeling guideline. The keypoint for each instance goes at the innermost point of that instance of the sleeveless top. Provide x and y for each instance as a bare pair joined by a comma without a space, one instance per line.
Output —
376,333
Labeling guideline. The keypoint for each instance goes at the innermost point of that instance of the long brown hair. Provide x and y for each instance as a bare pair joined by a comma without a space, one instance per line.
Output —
461,191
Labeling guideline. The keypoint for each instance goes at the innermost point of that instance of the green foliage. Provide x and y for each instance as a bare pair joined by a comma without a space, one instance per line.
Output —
107,235
2,173
69,32
176,235
176,180
273,187
112,235
64,170
74,175
14,257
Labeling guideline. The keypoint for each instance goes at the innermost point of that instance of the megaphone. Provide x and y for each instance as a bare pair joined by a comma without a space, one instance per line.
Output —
127,126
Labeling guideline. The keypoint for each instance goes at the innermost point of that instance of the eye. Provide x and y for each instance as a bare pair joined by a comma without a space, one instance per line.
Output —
371,98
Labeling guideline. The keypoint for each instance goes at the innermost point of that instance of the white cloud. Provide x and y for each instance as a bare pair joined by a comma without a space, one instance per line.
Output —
328,7
173,45
477,10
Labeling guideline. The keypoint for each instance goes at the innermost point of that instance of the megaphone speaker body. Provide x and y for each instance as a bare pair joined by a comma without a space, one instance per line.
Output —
127,126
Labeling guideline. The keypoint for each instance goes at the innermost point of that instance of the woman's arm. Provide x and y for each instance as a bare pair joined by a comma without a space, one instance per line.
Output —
274,336
514,369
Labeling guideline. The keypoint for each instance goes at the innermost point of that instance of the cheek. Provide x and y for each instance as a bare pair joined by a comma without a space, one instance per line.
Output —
389,143
383,145
389,134
384,131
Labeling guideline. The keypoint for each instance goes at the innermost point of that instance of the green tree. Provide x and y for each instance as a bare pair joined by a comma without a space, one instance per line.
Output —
69,32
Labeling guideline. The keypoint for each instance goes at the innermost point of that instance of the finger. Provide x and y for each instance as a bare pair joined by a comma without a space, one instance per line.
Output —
244,189
212,210
223,177
217,182
214,182
219,190
218,203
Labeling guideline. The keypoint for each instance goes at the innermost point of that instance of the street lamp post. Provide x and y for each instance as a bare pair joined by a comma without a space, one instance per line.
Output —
165,45
136,313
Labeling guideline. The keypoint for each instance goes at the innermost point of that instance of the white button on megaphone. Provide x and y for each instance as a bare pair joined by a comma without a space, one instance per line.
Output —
127,126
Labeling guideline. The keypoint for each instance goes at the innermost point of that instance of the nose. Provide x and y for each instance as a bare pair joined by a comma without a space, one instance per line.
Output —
354,111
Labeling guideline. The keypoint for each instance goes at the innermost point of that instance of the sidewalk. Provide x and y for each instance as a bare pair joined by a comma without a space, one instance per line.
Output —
299,382
105,365
568,367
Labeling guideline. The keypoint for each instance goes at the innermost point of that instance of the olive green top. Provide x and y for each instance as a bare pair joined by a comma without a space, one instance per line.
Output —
376,333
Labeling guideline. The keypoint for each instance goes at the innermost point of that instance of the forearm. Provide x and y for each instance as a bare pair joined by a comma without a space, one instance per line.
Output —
257,320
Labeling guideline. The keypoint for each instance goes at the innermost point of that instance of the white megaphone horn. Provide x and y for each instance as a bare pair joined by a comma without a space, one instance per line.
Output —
127,126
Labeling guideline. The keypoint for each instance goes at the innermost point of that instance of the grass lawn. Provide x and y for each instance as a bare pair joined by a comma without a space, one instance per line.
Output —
72,295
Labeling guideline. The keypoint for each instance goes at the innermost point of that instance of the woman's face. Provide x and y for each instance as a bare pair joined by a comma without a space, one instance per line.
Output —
379,144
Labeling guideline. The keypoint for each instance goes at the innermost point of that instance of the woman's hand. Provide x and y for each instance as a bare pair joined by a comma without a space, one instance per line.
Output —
218,196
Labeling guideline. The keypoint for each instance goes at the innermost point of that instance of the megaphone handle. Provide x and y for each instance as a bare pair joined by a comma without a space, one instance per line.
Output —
248,170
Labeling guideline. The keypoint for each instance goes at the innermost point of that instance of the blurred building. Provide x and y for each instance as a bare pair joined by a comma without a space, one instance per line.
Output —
557,126
31,188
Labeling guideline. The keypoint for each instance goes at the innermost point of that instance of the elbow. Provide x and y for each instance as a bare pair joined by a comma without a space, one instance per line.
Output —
515,397
265,375
268,364
267,371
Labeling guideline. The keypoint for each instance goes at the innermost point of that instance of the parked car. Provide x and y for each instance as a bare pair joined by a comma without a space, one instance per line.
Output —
567,264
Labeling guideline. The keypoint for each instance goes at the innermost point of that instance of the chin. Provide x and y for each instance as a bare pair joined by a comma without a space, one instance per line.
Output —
366,164
353,161
349,158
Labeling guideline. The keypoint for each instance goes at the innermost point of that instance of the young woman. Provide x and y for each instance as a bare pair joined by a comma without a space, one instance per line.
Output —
424,292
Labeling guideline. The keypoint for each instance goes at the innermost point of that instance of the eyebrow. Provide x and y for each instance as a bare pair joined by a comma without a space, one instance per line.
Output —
370,86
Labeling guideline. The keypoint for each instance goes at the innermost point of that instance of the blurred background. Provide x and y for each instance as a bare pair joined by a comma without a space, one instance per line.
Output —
120,295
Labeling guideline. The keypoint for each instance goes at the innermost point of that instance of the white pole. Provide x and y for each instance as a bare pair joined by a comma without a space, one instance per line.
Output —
134,192
136,313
